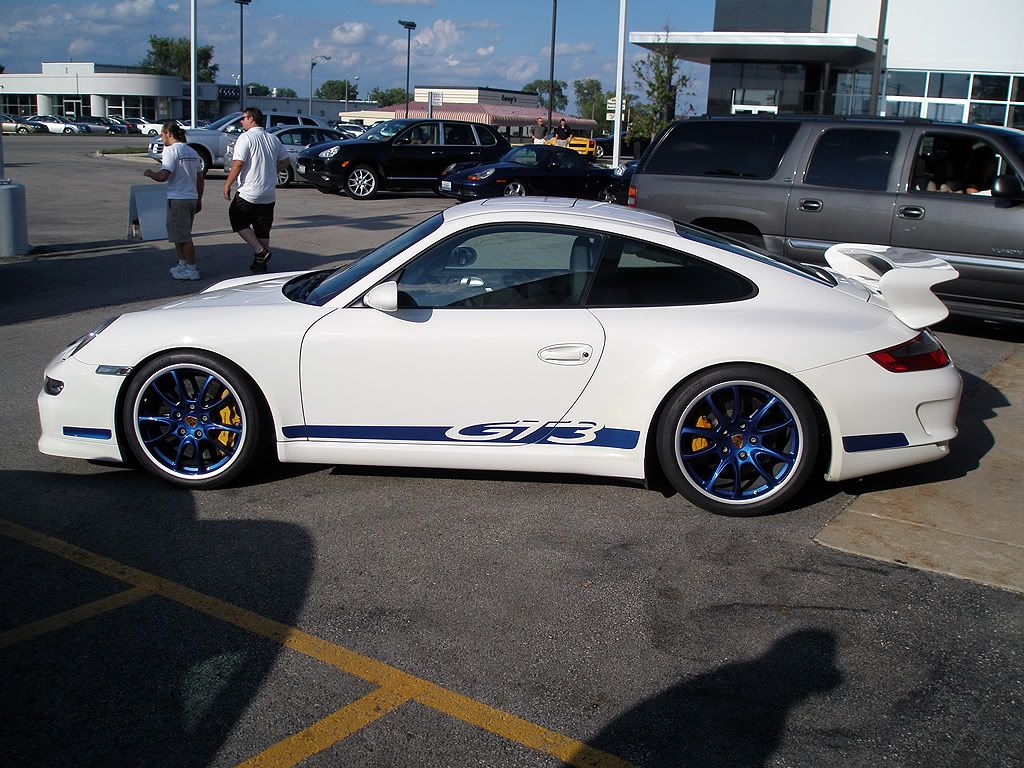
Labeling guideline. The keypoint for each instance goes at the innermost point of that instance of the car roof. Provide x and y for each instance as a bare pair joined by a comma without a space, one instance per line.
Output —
600,212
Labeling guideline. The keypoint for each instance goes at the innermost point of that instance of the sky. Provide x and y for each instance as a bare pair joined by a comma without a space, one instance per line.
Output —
456,43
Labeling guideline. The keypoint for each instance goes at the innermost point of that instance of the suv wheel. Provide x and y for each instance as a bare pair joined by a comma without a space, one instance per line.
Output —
362,183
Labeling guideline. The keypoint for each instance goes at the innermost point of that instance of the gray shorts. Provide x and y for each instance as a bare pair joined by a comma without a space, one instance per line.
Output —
180,214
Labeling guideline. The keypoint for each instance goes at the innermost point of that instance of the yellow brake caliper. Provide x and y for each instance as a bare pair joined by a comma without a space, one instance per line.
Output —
229,415
700,443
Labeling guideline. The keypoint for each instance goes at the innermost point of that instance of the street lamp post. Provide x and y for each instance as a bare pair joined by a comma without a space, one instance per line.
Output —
409,27
241,52
551,65
346,91
312,63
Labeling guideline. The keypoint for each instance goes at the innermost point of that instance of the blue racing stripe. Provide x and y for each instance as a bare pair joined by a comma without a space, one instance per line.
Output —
606,437
857,443
90,432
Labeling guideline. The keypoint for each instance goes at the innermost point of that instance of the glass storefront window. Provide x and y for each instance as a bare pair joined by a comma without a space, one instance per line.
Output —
990,87
905,83
949,113
1017,91
1016,117
902,108
948,85
987,114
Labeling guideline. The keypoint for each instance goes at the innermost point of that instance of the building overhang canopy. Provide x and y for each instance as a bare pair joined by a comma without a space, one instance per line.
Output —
845,50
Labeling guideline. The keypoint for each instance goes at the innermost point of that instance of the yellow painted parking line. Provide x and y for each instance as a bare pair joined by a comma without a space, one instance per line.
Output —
371,670
71,616
332,729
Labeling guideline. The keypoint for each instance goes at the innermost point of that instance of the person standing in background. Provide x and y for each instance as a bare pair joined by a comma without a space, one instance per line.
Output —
257,158
538,131
562,133
179,167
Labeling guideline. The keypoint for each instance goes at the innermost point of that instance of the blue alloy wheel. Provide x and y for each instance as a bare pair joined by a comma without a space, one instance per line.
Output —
739,441
191,420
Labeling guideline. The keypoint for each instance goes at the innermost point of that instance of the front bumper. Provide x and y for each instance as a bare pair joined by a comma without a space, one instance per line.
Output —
80,422
317,171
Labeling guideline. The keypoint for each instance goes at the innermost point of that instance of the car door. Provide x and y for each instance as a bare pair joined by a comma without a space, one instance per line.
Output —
489,347
460,146
982,236
414,155
846,192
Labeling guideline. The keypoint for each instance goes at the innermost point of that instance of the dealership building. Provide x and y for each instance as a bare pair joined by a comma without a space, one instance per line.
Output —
944,59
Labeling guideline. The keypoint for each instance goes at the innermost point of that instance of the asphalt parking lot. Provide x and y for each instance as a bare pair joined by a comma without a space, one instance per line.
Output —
377,617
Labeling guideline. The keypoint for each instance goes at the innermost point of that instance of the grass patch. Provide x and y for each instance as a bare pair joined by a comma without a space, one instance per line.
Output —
123,151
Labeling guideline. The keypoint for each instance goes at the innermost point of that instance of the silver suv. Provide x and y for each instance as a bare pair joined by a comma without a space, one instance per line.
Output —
796,185
211,142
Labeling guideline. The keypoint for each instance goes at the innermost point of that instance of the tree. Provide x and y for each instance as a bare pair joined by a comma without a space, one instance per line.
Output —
384,98
173,56
287,93
335,90
540,87
257,89
658,74
591,100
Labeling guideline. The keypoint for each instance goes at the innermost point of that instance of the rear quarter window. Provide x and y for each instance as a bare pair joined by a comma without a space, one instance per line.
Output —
746,150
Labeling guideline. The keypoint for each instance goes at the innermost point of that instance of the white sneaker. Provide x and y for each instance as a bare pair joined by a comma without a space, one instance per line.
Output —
185,272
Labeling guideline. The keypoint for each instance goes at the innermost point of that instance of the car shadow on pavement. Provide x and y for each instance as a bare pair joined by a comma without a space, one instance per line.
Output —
40,288
153,681
734,715
980,403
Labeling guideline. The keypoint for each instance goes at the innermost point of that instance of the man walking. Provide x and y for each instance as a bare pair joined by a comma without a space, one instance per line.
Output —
257,158
179,167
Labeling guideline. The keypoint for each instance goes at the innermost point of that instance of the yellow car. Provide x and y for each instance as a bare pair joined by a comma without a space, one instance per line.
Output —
586,147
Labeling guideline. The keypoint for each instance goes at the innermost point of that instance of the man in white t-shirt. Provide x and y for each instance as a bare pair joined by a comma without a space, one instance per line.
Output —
180,169
257,158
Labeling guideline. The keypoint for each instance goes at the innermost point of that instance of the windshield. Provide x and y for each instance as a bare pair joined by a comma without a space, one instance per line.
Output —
342,278
384,131
522,156
223,121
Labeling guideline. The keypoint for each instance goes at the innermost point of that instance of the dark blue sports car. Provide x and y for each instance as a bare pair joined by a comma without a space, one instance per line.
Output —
532,169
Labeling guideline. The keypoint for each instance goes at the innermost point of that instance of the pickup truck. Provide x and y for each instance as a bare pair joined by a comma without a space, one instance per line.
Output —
795,185
211,143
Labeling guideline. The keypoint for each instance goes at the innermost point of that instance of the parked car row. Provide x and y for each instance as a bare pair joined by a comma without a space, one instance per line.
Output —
22,125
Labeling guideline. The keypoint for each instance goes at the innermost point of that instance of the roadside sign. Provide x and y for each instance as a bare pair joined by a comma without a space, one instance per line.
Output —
609,115
436,98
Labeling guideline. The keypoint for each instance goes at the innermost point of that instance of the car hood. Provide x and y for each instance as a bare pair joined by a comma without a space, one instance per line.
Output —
240,291
195,134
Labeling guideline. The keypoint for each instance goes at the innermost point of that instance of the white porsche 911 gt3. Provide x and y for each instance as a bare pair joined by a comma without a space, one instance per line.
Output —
532,335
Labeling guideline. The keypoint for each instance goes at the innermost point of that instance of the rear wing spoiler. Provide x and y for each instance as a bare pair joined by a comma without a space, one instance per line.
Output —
903,277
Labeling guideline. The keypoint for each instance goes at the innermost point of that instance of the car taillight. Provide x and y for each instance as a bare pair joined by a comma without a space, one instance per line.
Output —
924,352
631,197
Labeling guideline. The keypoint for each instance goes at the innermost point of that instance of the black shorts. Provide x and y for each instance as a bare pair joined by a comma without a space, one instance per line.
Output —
259,216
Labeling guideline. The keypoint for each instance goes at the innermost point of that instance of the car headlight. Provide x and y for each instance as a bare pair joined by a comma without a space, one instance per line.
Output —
329,152
481,176
81,342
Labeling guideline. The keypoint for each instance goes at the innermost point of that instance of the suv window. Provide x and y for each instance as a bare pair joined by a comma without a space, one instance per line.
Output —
503,266
854,158
955,162
458,133
485,135
423,133
638,274
749,150
276,119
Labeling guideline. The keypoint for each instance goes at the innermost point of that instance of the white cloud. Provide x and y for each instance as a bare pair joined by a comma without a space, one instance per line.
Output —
133,9
482,24
488,51
562,49
440,36
350,33
520,69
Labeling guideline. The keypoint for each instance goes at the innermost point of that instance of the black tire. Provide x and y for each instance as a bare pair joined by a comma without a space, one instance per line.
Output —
285,177
192,419
68,129
515,188
362,183
21,129
739,440
599,152
153,132
606,195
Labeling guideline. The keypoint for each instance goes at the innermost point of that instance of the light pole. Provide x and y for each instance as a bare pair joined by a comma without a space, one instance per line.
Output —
312,63
241,52
346,91
409,27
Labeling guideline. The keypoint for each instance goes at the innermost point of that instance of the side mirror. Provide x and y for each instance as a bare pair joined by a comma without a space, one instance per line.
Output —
383,297
1007,186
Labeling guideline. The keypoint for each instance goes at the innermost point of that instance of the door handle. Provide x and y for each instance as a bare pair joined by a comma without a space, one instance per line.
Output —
811,206
567,354
910,212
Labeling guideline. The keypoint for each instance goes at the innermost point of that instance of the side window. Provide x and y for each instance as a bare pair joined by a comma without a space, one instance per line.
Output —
458,133
955,162
233,127
485,136
570,160
503,266
308,121
291,138
276,119
741,149
424,133
638,274
854,158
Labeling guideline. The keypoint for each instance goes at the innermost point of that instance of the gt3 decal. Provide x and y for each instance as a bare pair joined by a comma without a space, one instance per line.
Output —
522,432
